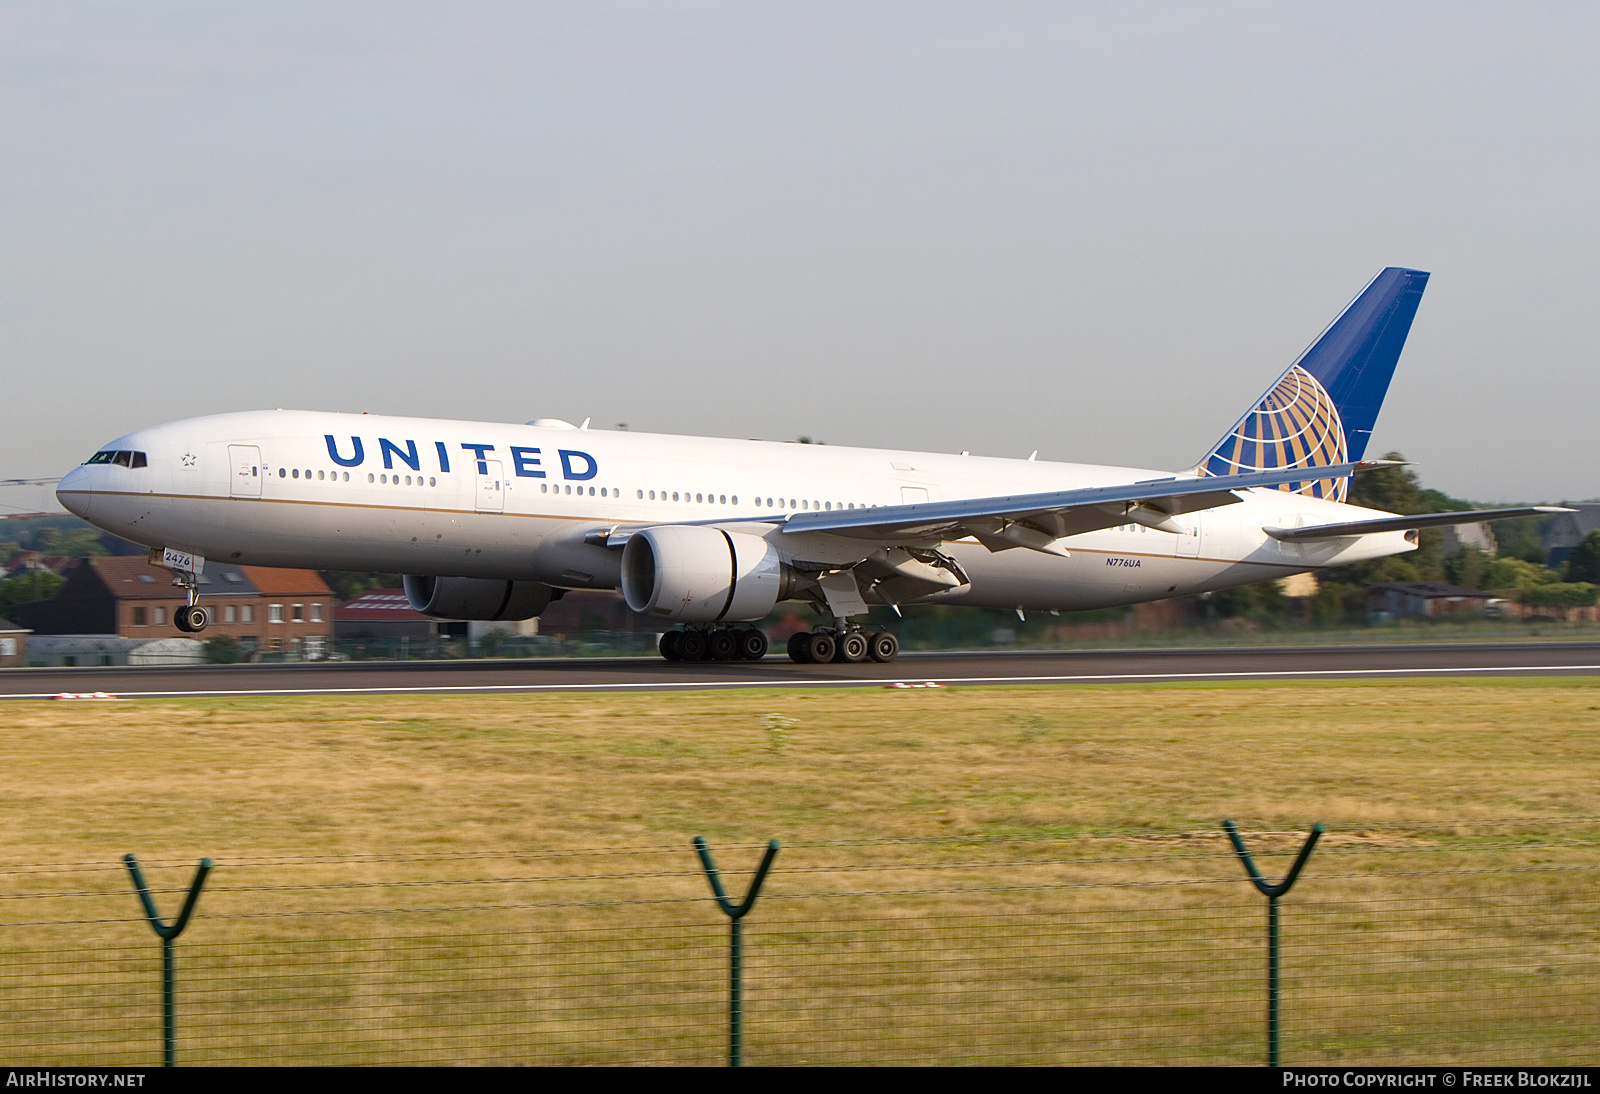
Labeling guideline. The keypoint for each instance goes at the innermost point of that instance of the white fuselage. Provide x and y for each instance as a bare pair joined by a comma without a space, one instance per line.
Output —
518,502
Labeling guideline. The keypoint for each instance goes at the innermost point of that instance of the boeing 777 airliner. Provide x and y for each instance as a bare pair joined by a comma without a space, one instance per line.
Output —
494,521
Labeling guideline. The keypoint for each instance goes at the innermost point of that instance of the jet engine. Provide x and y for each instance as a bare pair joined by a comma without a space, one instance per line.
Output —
476,597
693,574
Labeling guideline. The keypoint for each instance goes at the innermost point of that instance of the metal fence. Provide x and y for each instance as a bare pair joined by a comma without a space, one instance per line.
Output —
1474,943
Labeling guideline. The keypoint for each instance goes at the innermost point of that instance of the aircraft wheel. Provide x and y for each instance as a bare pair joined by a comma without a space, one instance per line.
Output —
692,646
820,647
192,619
723,645
851,648
797,648
884,647
669,645
180,619
752,645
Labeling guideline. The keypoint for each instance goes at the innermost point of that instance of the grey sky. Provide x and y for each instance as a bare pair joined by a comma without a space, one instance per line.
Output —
1094,230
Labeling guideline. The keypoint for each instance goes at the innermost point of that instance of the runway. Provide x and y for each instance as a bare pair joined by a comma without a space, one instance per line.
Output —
1131,666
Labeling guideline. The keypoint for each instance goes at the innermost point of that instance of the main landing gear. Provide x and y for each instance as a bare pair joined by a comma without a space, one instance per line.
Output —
849,646
718,644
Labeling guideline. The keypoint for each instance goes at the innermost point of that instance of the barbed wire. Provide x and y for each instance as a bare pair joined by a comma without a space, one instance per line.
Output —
790,868
1337,839
780,895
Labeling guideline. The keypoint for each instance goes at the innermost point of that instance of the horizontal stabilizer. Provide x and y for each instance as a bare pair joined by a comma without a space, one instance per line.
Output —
1400,524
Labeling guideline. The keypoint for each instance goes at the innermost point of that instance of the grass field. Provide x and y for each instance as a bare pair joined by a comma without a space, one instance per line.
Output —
381,774
996,874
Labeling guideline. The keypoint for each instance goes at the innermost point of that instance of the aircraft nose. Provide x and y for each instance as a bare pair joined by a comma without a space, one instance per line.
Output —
74,493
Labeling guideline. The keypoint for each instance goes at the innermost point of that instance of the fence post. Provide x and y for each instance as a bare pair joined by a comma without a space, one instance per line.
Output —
1272,893
167,935
735,913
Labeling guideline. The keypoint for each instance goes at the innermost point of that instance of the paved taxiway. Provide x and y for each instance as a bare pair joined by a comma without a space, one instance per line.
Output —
652,674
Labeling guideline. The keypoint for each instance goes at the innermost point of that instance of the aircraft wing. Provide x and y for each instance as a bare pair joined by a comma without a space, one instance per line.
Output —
1398,524
1038,520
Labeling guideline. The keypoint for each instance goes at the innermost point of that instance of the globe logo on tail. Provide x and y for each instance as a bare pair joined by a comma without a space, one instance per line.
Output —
1294,425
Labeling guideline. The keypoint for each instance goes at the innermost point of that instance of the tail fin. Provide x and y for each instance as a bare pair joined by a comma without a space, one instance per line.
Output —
1322,410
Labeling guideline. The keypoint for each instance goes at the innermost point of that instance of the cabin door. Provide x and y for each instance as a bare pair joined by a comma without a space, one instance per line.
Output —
244,466
1189,541
492,489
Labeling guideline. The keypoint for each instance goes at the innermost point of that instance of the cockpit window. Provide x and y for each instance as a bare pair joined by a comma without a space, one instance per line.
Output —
120,458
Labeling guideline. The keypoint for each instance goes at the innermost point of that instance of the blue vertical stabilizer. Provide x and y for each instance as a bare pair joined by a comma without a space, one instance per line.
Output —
1322,409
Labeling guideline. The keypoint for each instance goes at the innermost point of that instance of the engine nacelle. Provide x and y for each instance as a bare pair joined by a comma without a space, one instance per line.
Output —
692,574
476,597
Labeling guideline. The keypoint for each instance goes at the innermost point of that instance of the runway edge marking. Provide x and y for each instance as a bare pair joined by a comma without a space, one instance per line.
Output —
828,682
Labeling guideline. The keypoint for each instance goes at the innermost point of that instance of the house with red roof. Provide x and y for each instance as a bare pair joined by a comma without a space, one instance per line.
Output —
266,609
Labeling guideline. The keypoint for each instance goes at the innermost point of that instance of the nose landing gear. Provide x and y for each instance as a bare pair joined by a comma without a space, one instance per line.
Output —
191,618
